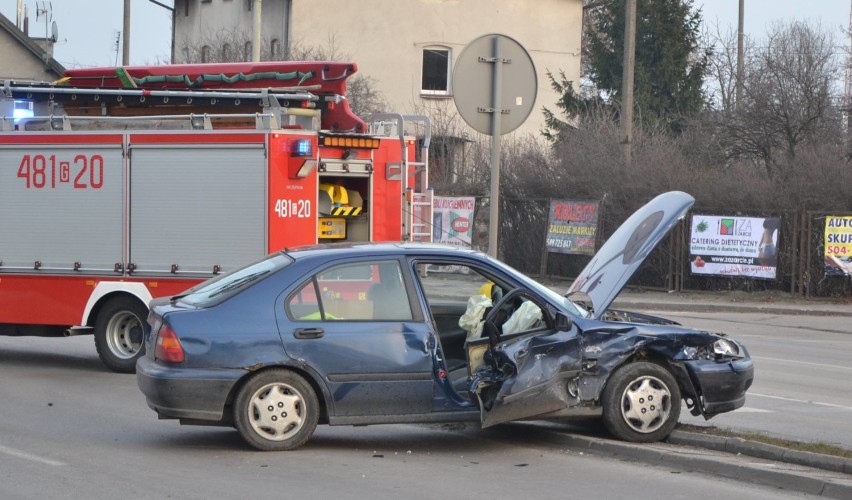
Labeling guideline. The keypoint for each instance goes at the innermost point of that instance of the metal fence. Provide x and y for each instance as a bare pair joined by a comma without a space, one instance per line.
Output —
800,267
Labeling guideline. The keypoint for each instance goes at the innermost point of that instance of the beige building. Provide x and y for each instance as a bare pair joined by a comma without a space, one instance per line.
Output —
221,30
407,47
26,59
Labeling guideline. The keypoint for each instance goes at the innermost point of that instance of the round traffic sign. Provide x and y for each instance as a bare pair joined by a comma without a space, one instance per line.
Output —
489,62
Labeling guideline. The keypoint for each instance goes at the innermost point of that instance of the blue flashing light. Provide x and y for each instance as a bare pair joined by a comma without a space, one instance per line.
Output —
22,113
23,109
302,148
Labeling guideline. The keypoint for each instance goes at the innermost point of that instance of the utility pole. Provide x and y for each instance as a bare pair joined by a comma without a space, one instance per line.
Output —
627,78
255,44
740,38
125,52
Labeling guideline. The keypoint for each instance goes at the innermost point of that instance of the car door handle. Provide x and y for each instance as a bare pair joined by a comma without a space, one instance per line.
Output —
308,333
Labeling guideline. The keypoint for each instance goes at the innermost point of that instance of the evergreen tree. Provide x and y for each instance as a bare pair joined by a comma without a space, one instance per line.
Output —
670,63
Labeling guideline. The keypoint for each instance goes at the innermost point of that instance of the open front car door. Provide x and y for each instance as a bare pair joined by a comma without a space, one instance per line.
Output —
523,365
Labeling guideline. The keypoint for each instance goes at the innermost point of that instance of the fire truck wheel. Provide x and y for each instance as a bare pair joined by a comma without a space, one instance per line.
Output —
118,333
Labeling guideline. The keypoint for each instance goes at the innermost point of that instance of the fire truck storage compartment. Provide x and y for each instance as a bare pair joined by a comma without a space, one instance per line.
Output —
196,206
58,206
357,227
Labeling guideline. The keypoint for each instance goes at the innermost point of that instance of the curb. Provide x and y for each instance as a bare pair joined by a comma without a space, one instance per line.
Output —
803,481
761,450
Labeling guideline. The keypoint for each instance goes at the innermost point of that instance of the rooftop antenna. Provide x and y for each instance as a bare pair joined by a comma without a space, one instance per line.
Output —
117,47
45,9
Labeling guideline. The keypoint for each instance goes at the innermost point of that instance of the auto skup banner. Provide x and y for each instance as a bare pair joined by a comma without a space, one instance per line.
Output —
838,245
734,246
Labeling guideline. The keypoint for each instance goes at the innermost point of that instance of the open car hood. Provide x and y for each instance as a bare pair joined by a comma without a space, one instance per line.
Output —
628,247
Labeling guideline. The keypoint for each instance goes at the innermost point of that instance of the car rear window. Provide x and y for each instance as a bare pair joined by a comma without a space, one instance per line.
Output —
221,288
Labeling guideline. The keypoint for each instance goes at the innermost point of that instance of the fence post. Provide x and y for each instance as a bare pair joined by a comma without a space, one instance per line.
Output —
543,269
804,250
794,261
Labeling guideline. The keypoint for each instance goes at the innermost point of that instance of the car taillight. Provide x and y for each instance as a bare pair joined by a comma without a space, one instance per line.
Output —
168,346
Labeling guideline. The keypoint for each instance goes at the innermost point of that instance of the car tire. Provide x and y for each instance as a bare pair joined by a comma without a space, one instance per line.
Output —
119,333
276,410
641,403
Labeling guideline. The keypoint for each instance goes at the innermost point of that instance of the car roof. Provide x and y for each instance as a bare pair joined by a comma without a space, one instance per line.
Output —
353,250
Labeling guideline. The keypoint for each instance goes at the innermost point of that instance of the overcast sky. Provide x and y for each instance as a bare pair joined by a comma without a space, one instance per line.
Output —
87,28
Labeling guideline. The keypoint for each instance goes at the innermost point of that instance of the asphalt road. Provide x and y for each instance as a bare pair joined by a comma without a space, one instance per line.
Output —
802,371
71,429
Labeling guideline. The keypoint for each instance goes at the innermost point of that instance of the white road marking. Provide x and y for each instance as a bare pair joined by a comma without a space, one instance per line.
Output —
793,400
747,409
820,365
29,456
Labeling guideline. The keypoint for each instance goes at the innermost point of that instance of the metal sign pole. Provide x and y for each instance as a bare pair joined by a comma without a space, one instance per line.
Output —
501,64
494,215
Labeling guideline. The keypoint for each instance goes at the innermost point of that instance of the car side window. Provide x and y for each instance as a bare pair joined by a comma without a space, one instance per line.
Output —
364,291
458,297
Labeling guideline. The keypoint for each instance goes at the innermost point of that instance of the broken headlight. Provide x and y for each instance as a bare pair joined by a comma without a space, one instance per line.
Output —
724,348
720,349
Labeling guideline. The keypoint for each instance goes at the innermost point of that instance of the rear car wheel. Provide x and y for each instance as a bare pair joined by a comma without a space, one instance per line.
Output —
276,410
119,329
641,403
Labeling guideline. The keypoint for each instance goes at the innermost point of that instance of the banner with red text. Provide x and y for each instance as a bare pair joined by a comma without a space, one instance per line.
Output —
572,227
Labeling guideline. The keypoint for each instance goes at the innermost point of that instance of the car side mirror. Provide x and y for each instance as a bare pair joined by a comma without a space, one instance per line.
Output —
562,322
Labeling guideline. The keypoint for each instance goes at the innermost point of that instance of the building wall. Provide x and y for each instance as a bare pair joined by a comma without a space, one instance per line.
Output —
19,63
216,22
386,38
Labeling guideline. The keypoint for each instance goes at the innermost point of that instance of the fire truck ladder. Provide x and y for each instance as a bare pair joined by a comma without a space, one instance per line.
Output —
415,192
268,100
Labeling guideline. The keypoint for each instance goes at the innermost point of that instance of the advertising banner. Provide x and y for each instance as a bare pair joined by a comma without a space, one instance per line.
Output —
838,245
452,220
734,246
572,227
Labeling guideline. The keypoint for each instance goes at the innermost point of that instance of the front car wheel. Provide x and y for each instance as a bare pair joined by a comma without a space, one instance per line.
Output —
641,403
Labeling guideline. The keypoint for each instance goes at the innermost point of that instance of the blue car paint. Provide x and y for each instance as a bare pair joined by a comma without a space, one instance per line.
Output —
394,371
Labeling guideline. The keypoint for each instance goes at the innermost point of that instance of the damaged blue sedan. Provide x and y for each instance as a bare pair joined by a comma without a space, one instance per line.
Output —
413,333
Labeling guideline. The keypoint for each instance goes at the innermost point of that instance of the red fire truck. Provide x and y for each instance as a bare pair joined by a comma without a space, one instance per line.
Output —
118,185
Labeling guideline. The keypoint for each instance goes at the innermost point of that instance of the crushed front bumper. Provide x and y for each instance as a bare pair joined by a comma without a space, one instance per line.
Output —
720,386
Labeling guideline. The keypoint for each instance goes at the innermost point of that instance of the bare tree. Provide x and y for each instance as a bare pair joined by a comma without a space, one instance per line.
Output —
721,79
787,96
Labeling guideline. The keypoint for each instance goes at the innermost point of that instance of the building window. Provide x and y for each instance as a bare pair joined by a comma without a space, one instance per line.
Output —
436,71
275,49
227,53
205,54
185,52
247,51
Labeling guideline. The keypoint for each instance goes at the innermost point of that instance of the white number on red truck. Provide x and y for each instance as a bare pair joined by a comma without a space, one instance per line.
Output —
293,208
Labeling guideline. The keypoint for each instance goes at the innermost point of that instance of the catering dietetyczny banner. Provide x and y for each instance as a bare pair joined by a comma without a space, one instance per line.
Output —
734,246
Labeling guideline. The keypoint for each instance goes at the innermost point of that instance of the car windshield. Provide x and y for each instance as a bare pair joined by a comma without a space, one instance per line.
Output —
556,298
220,288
